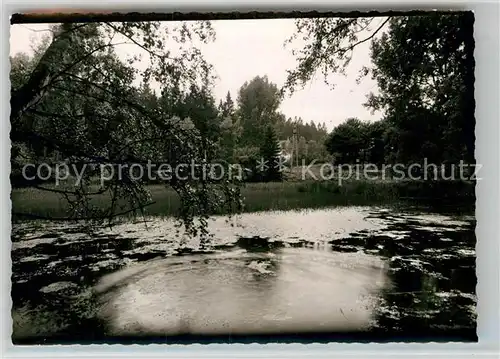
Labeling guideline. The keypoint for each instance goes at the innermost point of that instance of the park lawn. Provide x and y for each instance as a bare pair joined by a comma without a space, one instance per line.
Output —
286,195
290,194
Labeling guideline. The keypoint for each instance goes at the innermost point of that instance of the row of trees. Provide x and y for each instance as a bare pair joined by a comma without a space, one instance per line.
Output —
256,111
355,140
87,113
78,99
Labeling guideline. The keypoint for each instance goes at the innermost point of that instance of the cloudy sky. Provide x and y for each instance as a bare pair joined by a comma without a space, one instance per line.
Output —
247,48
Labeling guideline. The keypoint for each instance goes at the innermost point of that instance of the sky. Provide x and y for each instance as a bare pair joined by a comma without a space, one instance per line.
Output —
244,49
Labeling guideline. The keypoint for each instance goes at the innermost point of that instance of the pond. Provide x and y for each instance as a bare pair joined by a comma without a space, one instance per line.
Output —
343,274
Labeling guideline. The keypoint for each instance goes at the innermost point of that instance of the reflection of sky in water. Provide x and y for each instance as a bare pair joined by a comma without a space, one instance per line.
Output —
312,225
298,290
234,291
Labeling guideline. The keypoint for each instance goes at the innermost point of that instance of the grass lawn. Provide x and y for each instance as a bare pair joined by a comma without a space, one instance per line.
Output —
286,195
257,197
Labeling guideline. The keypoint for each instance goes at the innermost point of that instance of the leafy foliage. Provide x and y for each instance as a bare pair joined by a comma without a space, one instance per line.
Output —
75,101
357,141
424,69
329,46
231,129
80,102
258,102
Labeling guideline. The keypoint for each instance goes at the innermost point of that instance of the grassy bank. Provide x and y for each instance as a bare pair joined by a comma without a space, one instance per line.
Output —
278,196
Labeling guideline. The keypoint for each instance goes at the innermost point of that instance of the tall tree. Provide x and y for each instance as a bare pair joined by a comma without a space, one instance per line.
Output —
200,107
258,102
424,67
226,108
230,129
270,154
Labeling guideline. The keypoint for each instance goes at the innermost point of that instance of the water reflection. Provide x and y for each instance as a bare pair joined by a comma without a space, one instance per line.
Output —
392,275
288,290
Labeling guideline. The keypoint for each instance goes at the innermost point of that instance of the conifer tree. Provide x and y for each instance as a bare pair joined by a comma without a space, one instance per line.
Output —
270,153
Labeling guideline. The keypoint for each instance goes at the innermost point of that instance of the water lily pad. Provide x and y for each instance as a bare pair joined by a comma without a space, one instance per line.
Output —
59,287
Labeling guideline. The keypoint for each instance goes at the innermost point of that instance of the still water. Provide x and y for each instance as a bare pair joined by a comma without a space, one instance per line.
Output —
347,270
294,290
